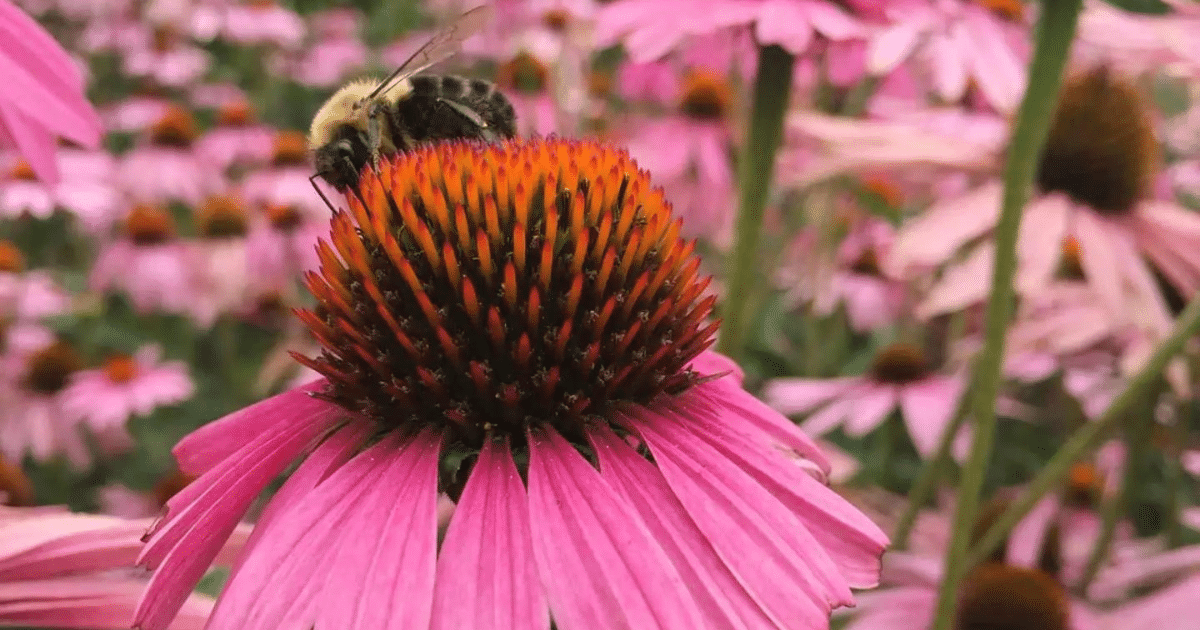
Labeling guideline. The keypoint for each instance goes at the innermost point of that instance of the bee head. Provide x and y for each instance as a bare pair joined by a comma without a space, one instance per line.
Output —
340,160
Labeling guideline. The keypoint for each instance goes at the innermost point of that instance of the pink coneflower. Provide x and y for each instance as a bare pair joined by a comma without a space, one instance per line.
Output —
1095,178
281,246
222,272
900,378
147,262
1137,42
42,94
64,570
32,419
690,152
652,28
554,340
136,112
124,387
166,166
261,22
163,55
957,44
336,52
285,181
85,189
237,139
871,299
25,294
526,81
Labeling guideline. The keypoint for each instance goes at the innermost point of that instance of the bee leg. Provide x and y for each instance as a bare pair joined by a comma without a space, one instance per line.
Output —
472,117
374,133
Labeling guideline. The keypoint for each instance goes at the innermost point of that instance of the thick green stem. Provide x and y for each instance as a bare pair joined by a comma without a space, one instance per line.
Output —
927,479
1089,436
1056,29
1137,436
772,87
1175,474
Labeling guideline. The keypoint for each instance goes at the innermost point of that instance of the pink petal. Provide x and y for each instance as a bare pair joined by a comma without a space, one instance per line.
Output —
383,575
214,442
35,144
800,395
722,599
892,47
962,285
332,453
204,514
948,66
763,543
945,227
86,602
870,408
927,406
1040,242
851,539
486,578
753,416
830,417
710,363
994,66
599,564
306,537
784,23
831,21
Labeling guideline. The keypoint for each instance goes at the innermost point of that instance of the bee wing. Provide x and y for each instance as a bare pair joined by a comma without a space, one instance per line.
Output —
440,47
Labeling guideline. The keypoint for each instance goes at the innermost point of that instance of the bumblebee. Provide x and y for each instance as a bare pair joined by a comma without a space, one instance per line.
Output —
368,118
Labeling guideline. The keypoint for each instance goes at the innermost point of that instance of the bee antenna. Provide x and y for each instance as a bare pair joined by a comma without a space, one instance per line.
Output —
313,180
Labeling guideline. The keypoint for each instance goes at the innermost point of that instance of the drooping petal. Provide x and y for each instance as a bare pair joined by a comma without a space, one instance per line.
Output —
801,395
892,47
601,567
97,603
203,515
927,406
764,544
383,575
754,415
851,539
486,577
214,442
870,408
722,599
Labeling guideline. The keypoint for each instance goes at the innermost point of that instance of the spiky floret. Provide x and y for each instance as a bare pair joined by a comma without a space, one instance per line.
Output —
487,288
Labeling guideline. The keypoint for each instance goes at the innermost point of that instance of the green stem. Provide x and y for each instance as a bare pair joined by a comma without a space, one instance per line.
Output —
1174,474
1137,434
1091,434
857,98
772,87
927,478
1055,30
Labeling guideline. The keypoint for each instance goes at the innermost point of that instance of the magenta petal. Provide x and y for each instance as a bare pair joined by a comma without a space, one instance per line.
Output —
600,566
383,574
332,453
710,363
852,540
86,602
203,515
486,577
755,416
722,599
763,543
210,444
35,144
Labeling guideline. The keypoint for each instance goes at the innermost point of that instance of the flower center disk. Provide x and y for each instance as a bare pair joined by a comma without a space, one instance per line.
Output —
1101,150
900,363
487,288
995,596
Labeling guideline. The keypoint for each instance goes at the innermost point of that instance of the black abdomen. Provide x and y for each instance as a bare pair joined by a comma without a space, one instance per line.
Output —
422,116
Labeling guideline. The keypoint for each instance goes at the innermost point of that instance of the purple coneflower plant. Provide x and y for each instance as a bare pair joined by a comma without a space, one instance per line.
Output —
520,327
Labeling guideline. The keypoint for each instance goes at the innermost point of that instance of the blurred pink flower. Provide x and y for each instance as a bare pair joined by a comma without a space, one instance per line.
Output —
64,570
899,379
166,167
32,418
285,181
959,43
126,386
42,96
136,113
261,22
27,295
649,29
85,189
871,298
281,245
1136,43
220,255
148,263
337,49
164,56
237,139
